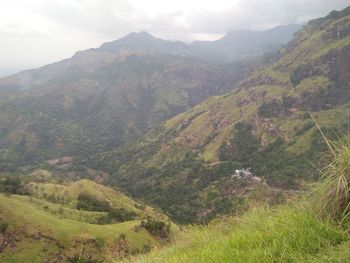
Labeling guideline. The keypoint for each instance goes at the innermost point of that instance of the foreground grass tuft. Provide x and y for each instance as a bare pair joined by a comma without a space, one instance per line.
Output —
332,196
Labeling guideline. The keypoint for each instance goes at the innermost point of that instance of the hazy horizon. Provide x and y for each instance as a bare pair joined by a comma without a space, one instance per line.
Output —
40,32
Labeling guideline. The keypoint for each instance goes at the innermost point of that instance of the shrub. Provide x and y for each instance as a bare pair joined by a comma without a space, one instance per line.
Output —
121,215
156,227
140,206
11,185
79,259
3,227
117,215
270,109
100,243
307,126
88,202
301,72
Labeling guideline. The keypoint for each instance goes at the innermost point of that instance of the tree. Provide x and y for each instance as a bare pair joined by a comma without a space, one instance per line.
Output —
11,185
156,227
88,202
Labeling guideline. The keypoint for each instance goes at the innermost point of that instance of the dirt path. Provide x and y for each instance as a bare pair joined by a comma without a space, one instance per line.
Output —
277,189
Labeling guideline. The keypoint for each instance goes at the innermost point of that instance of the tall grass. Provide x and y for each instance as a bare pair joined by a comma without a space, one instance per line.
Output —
285,234
331,197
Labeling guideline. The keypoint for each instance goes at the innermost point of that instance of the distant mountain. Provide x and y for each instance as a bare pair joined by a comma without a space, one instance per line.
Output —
144,41
98,101
102,98
235,45
242,44
8,71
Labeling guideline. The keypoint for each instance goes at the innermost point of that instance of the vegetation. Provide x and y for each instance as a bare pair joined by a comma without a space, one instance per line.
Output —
306,230
263,235
66,107
156,227
242,146
121,215
7,238
332,197
88,202
270,109
34,228
299,74
264,124
10,185
103,121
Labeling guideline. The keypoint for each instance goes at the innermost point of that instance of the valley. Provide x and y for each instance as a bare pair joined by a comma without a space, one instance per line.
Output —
152,150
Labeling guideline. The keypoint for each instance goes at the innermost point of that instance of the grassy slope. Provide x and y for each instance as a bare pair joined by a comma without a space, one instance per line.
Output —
68,195
241,105
27,217
46,230
287,234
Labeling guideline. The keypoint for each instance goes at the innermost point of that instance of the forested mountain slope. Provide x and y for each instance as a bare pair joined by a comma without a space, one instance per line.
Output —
186,166
98,101
102,98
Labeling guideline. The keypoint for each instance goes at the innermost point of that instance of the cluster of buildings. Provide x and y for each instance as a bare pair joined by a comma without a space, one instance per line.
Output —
247,174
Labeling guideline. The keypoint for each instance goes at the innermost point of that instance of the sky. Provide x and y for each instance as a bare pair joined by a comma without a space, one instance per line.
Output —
37,32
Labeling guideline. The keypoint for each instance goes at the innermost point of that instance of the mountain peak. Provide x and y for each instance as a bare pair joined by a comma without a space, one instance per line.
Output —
143,41
133,41
141,34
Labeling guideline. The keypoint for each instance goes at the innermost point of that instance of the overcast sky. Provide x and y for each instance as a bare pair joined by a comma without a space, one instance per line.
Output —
37,32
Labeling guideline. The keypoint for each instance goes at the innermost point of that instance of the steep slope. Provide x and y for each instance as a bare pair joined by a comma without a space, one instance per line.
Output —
101,99
69,194
262,235
98,101
312,228
68,223
264,124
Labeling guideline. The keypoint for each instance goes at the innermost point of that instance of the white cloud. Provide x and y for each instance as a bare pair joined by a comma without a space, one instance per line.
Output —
37,32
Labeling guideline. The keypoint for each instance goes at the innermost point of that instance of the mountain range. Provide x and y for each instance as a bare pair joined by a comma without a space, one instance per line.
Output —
235,45
103,98
170,125
266,123
199,131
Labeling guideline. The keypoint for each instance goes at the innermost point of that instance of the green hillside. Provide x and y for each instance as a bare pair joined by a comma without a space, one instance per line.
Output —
313,228
263,235
98,101
265,124
50,222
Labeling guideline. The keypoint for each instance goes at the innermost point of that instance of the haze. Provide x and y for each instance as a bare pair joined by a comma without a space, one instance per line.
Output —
37,32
